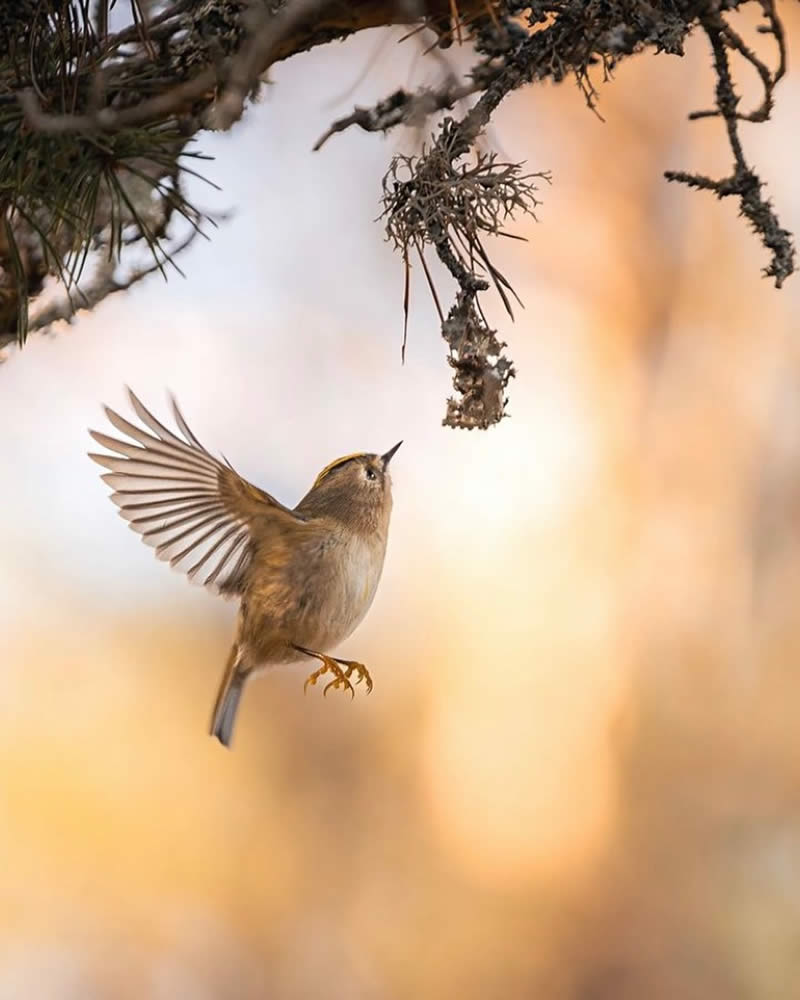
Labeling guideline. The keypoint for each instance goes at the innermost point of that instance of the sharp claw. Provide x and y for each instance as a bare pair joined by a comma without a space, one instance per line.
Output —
341,677
335,684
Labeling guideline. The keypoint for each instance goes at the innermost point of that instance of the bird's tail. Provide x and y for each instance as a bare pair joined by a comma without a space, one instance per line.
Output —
230,691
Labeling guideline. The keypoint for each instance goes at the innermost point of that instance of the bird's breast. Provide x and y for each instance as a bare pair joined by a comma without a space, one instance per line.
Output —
339,589
362,572
312,594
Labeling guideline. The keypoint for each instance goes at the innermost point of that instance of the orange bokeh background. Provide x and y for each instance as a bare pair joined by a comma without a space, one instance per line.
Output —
579,773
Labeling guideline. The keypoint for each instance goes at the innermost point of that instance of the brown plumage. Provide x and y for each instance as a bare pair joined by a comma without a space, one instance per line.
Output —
304,577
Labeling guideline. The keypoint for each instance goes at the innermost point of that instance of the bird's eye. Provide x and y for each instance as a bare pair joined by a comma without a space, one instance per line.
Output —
371,473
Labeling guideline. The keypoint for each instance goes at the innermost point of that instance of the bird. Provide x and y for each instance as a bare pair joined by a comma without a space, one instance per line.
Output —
304,577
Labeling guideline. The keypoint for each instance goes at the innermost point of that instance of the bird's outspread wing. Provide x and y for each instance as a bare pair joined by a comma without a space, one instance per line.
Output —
198,513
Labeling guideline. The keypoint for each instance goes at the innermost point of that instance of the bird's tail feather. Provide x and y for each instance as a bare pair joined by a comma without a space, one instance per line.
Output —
230,692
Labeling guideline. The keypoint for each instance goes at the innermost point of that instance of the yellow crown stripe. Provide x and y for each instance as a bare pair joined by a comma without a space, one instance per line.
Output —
336,463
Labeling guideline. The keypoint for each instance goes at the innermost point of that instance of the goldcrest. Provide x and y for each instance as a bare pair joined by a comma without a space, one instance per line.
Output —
304,577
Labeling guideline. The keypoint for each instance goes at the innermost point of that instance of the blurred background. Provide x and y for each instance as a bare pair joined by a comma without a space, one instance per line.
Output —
578,776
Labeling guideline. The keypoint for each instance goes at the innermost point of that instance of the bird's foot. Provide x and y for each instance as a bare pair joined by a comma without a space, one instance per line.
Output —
329,665
361,672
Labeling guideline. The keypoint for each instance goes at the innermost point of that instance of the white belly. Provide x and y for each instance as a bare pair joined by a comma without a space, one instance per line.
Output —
344,589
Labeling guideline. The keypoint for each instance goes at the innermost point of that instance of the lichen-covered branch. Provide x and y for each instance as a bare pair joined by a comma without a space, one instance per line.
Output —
96,126
744,183
85,116
571,38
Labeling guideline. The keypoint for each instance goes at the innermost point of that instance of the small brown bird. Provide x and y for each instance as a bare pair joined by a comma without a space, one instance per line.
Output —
305,577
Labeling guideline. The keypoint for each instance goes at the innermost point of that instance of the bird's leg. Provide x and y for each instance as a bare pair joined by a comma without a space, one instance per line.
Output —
356,668
329,664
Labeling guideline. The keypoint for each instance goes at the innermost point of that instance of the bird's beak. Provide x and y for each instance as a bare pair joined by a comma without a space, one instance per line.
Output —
388,456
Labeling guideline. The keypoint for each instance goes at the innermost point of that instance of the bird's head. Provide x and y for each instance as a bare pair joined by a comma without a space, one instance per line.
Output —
355,489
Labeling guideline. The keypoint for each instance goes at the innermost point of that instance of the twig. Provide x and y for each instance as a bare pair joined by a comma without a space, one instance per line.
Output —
104,285
257,55
743,182
153,109
400,108
238,76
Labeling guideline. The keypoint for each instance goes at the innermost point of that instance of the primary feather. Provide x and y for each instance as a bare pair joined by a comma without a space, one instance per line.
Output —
197,512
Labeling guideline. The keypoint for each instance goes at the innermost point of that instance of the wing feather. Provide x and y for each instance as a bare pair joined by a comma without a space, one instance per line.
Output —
237,542
186,504
188,510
